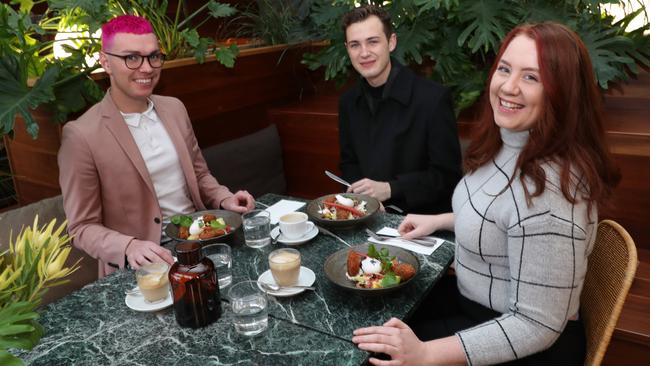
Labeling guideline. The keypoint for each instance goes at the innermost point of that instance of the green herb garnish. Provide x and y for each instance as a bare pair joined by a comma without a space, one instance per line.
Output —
383,256
390,279
218,224
182,220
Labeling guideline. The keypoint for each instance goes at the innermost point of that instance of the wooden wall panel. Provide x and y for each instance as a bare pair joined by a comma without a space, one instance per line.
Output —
228,103
33,162
310,145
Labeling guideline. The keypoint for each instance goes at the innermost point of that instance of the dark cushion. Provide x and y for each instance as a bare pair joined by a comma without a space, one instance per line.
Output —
15,220
252,163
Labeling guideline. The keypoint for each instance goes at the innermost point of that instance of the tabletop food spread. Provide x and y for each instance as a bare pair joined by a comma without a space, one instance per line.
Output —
94,326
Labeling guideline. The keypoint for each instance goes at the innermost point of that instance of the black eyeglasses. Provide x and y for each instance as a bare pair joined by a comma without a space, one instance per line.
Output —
134,61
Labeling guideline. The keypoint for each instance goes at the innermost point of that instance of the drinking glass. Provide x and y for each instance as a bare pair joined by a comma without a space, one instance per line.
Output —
285,266
257,228
221,256
153,282
249,305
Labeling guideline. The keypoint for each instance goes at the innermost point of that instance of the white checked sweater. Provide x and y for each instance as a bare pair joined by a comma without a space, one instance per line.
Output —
526,262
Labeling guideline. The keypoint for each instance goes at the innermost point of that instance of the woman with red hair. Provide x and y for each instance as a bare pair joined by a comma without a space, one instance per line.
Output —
525,216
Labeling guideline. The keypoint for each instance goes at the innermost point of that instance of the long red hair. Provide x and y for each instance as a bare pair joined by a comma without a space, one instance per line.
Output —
570,129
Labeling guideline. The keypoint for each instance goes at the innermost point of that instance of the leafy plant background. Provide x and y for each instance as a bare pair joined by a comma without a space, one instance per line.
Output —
34,262
460,38
30,76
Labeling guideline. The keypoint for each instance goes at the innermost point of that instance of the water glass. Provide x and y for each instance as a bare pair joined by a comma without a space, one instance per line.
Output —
249,305
221,256
257,228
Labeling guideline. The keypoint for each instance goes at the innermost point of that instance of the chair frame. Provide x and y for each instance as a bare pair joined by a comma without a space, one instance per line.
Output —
596,350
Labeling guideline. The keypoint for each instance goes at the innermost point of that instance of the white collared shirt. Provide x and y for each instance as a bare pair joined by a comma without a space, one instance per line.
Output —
161,158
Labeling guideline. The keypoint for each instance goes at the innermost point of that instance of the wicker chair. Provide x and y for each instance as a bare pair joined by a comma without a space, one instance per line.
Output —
610,272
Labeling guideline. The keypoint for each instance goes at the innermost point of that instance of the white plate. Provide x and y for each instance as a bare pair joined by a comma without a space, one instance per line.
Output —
137,303
303,239
305,278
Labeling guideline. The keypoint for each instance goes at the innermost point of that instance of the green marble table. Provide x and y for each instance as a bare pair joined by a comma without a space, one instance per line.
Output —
93,326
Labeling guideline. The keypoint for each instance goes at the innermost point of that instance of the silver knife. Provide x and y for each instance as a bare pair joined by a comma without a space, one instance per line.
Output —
336,178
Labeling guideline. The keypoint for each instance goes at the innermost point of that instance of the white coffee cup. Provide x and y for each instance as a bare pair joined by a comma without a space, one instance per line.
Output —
294,225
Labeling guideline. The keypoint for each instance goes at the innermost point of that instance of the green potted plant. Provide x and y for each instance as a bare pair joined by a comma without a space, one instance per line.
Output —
275,22
34,262
32,76
458,39
39,88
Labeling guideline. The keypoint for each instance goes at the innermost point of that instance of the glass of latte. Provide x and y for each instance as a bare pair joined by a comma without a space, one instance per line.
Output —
285,266
153,281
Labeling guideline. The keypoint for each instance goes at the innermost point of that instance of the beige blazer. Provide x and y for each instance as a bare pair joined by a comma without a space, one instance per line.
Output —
108,195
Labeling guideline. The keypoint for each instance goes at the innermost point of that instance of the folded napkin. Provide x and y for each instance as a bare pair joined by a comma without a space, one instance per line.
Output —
405,244
282,207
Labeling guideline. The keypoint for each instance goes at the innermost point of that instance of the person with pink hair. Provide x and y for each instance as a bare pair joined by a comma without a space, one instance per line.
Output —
132,161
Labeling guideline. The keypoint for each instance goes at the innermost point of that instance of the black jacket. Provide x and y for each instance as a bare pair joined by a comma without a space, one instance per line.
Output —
407,138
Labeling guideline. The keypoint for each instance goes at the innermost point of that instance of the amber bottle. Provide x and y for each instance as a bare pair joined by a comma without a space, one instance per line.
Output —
193,279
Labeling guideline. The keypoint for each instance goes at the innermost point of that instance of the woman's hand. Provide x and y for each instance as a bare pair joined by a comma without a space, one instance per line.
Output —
415,226
395,339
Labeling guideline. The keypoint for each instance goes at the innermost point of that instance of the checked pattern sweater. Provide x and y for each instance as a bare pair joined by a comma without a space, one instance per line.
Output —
526,262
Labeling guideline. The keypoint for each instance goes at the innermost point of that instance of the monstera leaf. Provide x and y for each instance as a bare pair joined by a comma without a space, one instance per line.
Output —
487,21
16,97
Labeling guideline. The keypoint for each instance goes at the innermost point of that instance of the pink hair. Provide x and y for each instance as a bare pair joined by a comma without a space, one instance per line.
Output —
124,24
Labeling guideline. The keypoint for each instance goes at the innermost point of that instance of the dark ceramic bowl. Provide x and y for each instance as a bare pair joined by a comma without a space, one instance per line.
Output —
372,206
232,219
336,266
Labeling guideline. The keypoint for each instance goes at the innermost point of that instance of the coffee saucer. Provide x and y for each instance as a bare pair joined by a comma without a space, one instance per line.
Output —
307,277
301,240
137,303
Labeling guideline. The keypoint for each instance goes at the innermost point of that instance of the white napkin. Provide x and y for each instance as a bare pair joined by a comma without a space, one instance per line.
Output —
283,207
404,244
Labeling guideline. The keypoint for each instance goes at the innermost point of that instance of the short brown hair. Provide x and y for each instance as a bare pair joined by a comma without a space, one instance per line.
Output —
364,12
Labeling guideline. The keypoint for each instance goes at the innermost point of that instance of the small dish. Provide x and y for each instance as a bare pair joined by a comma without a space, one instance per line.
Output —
137,303
372,206
336,268
275,233
307,277
232,219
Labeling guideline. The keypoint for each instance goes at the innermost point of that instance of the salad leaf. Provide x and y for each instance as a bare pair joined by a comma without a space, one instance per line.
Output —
390,279
218,224
182,220
372,251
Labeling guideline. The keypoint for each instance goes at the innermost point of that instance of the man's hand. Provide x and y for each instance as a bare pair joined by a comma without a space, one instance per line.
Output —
141,252
241,202
378,190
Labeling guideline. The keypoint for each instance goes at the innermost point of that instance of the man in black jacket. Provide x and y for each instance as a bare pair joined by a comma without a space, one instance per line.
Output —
397,130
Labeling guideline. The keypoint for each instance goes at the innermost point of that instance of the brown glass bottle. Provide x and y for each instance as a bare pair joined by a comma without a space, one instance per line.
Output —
193,279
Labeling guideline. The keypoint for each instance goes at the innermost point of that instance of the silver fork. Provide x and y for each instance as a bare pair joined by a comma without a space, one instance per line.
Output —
424,242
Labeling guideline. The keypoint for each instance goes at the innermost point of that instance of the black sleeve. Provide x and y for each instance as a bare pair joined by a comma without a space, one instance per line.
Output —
431,190
349,163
